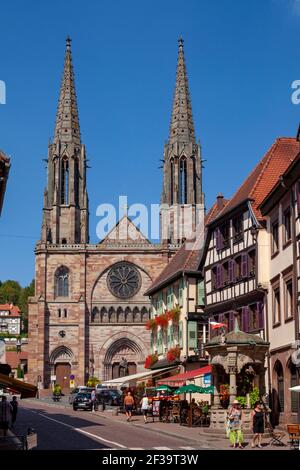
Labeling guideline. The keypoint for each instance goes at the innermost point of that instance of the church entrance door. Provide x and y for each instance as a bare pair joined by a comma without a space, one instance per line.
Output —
62,372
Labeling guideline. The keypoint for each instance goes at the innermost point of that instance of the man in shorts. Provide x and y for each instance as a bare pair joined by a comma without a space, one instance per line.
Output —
129,403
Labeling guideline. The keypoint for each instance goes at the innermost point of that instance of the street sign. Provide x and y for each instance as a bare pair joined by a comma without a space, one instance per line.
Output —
72,377
207,379
72,383
53,378
31,441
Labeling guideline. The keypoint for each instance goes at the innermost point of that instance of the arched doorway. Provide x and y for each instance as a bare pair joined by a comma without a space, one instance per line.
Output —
61,360
122,358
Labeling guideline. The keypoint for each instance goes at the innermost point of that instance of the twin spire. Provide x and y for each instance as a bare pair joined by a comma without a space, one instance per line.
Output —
182,125
67,128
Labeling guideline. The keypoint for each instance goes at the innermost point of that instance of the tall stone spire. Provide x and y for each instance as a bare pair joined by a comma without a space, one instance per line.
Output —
66,212
182,185
67,122
182,125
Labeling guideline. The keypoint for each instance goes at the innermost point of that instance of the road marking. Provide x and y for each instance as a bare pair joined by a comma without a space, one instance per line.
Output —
161,448
81,431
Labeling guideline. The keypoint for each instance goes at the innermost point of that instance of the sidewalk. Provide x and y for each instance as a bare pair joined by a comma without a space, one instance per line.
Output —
195,435
11,443
198,435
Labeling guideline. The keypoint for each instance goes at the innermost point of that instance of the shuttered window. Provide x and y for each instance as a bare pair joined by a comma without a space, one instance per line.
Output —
159,342
180,334
152,342
180,299
170,298
200,293
245,319
192,334
245,265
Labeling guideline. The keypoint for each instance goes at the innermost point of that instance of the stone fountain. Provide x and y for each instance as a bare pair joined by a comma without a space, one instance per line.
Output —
232,356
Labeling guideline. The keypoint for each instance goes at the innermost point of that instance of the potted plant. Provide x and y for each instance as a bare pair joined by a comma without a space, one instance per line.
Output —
173,354
174,315
162,321
150,360
151,325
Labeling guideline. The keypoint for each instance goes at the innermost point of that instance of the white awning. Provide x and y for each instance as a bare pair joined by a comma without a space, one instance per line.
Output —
295,389
121,381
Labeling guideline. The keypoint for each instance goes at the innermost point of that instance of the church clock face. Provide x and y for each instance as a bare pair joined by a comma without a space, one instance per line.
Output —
124,280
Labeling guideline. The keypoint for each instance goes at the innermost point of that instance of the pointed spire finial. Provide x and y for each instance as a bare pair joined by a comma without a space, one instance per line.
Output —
180,42
68,43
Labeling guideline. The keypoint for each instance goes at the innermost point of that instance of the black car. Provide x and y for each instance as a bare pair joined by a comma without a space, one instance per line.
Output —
83,401
109,397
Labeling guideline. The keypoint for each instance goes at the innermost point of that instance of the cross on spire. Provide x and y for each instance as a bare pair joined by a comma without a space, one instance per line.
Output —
182,125
67,128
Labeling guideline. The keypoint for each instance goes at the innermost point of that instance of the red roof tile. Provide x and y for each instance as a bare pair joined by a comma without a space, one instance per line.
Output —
187,258
263,178
13,358
216,208
189,254
13,309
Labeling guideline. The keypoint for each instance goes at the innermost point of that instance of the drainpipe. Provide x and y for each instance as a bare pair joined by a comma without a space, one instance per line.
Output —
295,274
187,321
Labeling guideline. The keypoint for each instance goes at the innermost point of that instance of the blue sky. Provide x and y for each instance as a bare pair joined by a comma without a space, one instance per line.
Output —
241,58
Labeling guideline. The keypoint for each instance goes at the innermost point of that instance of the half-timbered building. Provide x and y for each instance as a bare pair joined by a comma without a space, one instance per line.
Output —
282,210
236,247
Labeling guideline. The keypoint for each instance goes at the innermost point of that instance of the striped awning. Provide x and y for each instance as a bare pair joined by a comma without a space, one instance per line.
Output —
180,379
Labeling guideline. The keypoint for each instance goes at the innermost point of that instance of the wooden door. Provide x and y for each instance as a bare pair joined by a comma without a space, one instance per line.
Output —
62,372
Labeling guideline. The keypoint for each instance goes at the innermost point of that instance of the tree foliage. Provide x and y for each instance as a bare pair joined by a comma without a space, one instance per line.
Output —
12,292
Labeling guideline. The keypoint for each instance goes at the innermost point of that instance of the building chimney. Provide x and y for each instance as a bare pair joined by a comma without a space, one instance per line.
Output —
220,201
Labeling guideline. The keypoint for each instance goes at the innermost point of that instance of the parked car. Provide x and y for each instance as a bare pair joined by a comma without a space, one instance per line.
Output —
77,390
109,397
101,387
83,401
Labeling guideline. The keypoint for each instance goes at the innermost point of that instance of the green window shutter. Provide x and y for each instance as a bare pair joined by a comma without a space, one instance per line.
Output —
152,342
180,334
170,296
192,333
200,293
180,296
159,342
171,335
159,303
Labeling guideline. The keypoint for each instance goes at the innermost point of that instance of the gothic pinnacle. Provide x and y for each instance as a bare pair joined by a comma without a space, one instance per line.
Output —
182,125
67,121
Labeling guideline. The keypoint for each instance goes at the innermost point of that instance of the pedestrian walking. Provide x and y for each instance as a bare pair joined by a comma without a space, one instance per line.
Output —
14,410
128,402
145,407
5,412
257,419
235,417
93,398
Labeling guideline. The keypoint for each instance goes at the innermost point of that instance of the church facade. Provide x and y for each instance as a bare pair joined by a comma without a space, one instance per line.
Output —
88,315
